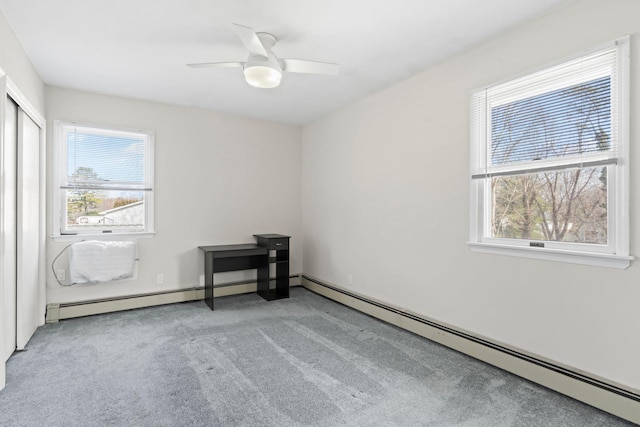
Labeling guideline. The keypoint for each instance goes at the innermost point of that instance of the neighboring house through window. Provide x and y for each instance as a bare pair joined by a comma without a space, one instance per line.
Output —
549,162
104,179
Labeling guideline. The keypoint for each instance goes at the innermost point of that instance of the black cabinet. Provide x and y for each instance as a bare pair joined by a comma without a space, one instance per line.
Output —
278,246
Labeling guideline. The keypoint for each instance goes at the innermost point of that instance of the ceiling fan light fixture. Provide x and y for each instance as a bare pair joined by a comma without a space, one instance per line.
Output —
262,76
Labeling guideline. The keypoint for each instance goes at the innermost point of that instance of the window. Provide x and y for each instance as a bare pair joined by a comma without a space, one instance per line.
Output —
549,162
104,180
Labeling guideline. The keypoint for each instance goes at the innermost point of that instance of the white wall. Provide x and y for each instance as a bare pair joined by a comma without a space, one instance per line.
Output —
17,65
219,179
386,200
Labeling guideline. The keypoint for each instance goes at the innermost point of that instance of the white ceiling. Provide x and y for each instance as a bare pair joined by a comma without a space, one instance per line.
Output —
139,48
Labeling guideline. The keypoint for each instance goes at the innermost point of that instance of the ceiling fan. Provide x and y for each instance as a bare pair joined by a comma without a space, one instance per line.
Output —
263,69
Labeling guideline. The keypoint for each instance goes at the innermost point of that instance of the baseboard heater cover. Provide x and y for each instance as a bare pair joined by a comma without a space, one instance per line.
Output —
60,311
592,391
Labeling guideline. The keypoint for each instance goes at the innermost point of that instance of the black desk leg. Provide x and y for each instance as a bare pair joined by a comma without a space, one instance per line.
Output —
208,279
263,278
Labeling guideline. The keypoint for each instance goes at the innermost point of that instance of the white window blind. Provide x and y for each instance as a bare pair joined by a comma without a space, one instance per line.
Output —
113,160
560,117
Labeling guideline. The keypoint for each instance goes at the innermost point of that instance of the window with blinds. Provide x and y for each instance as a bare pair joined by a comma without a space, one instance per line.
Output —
548,156
105,179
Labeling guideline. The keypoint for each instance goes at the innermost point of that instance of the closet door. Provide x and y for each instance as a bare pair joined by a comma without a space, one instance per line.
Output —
8,235
28,226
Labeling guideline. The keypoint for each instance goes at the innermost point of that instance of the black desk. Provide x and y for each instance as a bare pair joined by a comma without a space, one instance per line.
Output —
218,259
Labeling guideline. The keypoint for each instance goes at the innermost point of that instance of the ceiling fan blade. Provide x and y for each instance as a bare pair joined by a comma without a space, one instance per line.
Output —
310,67
250,40
217,64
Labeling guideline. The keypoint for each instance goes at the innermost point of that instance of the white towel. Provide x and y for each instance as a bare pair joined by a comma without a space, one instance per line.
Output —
101,261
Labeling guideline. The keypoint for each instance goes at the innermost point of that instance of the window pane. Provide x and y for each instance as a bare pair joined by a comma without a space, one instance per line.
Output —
567,122
566,206
87,209
94,156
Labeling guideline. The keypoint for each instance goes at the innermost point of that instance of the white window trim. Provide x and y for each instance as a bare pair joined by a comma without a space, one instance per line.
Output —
579,253
58,179
549,254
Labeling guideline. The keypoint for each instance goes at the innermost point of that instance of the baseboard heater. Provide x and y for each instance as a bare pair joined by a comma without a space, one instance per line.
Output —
595,392
56,312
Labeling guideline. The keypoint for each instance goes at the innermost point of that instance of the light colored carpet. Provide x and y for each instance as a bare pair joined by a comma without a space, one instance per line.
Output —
302,361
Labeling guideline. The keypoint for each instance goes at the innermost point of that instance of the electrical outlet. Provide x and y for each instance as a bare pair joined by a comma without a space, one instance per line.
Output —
61,274
160,279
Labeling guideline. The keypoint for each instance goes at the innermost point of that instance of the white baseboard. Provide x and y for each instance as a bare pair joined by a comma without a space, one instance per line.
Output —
56,312
592,391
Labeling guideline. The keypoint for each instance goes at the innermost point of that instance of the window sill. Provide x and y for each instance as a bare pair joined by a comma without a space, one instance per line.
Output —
101,236
620,262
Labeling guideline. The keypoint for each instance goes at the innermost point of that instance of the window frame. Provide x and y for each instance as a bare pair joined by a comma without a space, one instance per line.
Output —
615,253
59,217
